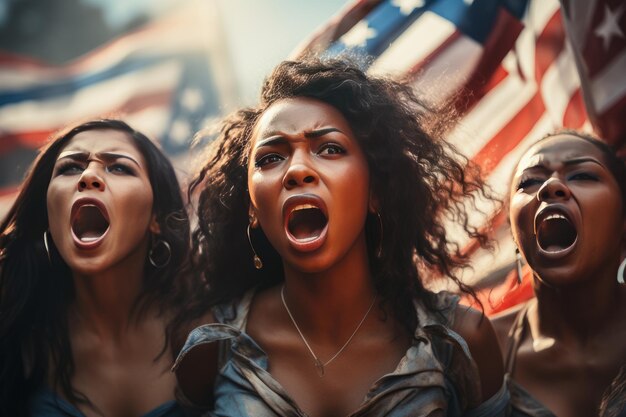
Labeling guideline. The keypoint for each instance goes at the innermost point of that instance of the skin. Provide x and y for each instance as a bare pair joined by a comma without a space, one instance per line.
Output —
304,146
575,339
113,349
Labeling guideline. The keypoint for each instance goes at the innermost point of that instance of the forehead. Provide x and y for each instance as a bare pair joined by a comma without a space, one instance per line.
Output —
560,148
298,115
103,140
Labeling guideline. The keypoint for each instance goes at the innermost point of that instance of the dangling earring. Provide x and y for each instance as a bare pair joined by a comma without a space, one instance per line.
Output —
518,260
620,272
45,244
379,250
154,262
258,263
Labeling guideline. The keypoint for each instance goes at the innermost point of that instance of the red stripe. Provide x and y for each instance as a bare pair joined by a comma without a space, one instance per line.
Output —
9,191
510,135
489,71
612,123
575,114
31,140
550,44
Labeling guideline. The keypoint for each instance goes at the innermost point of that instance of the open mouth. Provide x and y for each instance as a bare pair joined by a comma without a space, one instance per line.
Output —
89,223
555,233
306,222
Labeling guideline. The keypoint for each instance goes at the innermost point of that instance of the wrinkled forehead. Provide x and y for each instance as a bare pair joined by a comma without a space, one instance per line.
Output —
102,141
558,149
293,116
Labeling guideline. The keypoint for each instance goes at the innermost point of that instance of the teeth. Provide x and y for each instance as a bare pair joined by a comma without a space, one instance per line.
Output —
555,216
89,239
304,207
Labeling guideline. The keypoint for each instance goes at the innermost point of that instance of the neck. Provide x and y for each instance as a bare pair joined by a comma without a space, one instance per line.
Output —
576,311
328,305
105,302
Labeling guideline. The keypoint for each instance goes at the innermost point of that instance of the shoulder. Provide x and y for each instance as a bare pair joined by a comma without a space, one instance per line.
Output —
196,368
503,322
481,339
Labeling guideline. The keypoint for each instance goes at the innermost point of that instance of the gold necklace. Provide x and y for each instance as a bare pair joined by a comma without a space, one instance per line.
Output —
319,365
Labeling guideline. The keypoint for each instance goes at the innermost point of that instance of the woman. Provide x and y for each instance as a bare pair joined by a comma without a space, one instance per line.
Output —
90,254
568,219
314,211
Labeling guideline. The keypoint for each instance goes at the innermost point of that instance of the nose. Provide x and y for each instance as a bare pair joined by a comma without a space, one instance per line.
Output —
553,189
90,180
299,173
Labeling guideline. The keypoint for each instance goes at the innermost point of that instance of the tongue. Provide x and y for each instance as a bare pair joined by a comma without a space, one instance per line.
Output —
307,224
556,234
89,224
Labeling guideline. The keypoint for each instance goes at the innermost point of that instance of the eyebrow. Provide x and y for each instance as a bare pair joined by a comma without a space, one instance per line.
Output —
107,156
279,139
569,162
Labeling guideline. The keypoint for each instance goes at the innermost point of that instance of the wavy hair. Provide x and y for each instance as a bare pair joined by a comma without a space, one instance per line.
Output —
35,291
418,178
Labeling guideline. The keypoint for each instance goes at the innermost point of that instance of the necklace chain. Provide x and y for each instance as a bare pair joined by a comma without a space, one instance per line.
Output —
319,365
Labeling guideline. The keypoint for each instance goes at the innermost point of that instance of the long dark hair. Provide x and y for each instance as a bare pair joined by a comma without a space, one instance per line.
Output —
35,291
418,178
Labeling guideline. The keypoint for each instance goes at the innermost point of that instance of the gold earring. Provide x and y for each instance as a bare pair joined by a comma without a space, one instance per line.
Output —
258,263
379,250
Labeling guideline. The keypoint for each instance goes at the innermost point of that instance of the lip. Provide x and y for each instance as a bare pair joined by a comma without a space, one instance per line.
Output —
81,202
547,211
304,199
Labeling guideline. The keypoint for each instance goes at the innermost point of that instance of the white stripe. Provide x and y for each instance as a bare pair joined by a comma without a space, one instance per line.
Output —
88,102
608,86
491,114
419,40
450,70
539,14
559,83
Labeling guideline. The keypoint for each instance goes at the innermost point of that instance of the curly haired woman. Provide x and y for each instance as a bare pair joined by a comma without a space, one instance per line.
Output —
319,218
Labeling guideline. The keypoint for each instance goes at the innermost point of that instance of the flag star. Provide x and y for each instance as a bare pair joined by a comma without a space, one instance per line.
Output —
610,26
407,6
191,99
358,35
180,131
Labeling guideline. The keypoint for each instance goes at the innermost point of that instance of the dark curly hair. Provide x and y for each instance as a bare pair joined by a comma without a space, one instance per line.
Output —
35,291
418,179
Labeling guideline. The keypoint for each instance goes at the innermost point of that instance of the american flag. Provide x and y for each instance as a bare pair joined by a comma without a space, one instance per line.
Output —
165,79
510,70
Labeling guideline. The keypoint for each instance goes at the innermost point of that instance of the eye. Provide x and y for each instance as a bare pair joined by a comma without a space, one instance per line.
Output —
583,176
120,169
331,149
267,159
70,168
529,182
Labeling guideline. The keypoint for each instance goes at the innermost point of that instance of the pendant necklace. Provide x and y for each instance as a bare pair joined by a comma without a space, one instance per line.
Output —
319,365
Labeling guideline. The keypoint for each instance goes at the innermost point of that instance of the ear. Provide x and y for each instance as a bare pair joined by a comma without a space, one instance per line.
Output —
252,217
155,228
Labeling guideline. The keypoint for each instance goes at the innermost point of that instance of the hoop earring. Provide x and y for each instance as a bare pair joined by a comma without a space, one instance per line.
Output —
620,272
154,262
379,250
258,263
45,244
518,261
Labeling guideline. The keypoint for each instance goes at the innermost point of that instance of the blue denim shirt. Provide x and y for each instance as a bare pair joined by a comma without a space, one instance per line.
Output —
46,403
436,377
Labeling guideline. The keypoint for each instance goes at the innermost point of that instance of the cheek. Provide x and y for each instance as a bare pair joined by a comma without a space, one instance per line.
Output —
521,217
